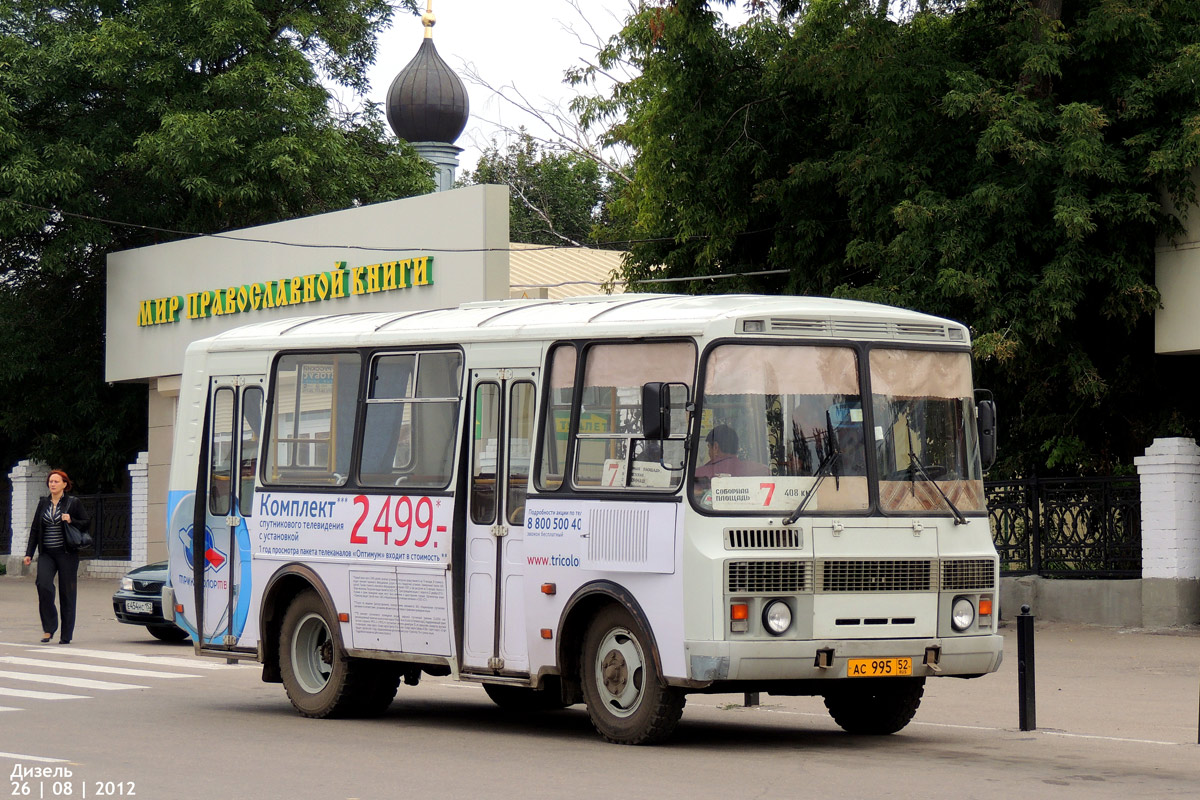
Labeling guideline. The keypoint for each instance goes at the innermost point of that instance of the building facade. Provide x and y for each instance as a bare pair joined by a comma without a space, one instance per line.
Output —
432,251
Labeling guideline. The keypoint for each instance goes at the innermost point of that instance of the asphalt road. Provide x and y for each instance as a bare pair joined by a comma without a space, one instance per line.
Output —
1117,711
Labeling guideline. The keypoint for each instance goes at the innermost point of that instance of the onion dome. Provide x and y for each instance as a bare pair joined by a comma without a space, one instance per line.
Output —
427,101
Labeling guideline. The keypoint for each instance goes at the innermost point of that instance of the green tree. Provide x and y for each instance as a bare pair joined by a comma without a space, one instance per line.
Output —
1000,162
555,198
172,116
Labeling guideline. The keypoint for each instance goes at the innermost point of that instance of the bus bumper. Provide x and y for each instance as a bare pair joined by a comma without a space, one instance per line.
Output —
777,660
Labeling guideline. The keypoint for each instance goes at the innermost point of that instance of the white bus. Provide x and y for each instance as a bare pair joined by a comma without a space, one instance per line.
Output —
609,500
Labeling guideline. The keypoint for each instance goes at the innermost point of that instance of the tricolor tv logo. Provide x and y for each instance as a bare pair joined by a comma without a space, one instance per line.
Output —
214,559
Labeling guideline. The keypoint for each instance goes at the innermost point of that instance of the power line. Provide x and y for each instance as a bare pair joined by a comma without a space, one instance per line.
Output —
718,276
522,249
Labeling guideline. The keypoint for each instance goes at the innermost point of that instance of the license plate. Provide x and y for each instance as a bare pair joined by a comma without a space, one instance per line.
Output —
878,667
139,607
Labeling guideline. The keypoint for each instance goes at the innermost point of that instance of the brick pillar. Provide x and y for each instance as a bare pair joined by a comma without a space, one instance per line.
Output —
1170,491
139,499
28,480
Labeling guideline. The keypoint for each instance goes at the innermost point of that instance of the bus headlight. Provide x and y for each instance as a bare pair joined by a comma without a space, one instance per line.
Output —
777,617
962,614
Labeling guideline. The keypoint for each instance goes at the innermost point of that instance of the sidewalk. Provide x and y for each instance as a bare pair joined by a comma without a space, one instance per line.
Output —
1112,683
93,614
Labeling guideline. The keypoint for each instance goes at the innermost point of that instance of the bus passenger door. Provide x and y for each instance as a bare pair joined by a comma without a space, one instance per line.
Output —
503,402
221,554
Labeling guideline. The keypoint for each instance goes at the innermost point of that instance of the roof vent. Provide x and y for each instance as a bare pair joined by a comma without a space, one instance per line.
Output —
916,330
799,327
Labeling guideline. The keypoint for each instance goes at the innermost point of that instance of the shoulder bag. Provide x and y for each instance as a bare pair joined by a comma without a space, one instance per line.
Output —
75,538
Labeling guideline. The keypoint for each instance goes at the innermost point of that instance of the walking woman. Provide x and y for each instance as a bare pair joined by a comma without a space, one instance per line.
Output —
47,532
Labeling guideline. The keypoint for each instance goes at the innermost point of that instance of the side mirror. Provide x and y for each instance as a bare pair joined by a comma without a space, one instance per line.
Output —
986,418
656,413
664,410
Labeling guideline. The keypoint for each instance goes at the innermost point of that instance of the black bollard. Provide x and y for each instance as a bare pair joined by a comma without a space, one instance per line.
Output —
1025,671
751,699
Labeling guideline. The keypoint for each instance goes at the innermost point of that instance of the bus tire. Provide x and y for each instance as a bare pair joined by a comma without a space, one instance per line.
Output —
521,698
875,706
320,681
626,699
374,687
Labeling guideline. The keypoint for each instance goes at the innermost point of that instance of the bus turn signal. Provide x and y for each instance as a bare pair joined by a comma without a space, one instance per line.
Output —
739,617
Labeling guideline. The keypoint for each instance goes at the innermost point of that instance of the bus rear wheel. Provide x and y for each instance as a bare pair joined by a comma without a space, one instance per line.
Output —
875,706
321,681
626,700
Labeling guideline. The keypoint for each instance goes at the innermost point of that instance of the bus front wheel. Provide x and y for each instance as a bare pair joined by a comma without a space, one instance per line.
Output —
875,706
320,680
626,700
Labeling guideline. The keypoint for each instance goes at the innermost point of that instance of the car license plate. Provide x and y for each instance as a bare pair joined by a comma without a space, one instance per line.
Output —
139,607
878,667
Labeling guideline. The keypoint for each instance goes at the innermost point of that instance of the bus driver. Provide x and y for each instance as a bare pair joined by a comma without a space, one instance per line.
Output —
723,458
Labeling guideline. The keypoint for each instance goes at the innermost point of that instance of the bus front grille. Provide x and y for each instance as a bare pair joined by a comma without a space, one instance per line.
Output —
865,575
768,577
856,575
968,574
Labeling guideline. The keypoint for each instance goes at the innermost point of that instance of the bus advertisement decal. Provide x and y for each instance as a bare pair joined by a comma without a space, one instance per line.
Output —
388,529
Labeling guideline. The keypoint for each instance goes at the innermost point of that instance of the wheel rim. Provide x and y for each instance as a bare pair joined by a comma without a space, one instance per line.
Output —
312,653
620,672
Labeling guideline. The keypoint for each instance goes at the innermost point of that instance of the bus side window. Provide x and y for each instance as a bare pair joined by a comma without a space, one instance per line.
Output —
252,402
558,417
439,381
483,470
220,473
611,451
411,419
521,422
312,420
387,436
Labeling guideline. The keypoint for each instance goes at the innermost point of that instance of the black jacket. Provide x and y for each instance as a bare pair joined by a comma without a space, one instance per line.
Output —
70,505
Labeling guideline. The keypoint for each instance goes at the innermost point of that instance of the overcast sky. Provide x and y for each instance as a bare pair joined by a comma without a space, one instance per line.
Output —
526,44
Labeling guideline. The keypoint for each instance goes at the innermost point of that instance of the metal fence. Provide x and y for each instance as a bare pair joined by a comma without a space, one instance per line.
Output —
1067,527
110,528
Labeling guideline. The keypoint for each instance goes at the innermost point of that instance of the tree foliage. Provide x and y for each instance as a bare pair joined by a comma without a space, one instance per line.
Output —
555,198
171,115
1001,162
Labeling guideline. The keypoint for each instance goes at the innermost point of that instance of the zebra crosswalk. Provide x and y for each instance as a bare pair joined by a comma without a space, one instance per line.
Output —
31,674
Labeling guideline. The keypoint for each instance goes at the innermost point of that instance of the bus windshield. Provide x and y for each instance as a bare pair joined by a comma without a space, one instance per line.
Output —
925,431
780,422
773,419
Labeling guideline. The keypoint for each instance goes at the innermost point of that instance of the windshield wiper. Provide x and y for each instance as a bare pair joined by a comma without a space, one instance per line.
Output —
823,469
913,461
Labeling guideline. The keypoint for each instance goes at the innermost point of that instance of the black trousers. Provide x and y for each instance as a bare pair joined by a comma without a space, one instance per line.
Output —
66,566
